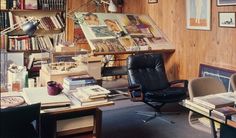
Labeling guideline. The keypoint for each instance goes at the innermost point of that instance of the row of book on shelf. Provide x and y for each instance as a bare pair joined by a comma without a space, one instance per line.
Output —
219,106
34,4
26,43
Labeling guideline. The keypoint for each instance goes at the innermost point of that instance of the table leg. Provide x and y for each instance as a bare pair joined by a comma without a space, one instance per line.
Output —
213,129
98,123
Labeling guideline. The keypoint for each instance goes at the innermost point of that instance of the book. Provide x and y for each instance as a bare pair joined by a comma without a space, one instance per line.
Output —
84,100
197,106
79,80
93,90
31,4
213,101
40,95
224,111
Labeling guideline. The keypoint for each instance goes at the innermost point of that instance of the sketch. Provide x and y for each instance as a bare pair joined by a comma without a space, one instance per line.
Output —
133,20
113,25
156,40
91,19
102,31
107,45
127,42
198,14
227,19
226,2
140,41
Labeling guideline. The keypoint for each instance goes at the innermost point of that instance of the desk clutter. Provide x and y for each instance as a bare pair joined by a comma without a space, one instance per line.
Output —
218,106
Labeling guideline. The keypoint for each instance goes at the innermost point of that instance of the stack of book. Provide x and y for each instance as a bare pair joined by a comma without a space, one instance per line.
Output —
4,20
213,101
91,95
223,113
73,82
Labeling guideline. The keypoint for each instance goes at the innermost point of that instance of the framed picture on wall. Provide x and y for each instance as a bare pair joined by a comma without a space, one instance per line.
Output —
152,1
198,14
226,2
227,19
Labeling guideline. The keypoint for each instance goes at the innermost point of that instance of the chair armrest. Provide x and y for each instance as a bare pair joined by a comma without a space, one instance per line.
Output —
178,82
135,93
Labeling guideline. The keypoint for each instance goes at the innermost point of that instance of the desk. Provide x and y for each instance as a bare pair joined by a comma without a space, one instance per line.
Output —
49,118
228,129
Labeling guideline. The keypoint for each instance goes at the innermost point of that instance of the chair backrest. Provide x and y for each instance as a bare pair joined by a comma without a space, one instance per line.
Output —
148,70
204,86
16,119
233,81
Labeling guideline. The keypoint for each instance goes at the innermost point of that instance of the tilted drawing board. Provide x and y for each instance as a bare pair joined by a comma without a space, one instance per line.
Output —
109,33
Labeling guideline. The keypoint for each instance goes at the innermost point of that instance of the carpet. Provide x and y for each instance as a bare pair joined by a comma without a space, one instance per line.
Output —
124,123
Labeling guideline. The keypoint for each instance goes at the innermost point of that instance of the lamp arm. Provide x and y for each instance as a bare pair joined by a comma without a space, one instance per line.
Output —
15,26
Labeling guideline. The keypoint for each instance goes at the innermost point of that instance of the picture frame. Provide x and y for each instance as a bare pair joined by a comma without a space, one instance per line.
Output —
152,1
198,14
227,19
226,2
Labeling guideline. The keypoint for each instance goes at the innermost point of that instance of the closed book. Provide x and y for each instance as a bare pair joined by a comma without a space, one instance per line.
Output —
225,111
213,101
197,106
80,82
93,90
84,100
40,95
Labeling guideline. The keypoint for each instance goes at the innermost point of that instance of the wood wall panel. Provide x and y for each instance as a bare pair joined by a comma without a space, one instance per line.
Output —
216,47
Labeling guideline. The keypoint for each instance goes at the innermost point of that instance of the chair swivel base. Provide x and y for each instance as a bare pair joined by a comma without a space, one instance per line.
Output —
153,115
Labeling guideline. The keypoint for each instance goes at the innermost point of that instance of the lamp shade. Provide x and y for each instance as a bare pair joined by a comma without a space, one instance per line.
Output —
30,27
112,7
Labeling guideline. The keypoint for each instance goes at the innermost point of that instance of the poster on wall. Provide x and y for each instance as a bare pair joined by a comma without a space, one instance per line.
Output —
226,2
198,14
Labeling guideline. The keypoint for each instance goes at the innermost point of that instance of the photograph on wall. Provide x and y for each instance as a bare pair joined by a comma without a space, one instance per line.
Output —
91,19
226,2
107,45
127,42
198,14
101,31
113,25
227,19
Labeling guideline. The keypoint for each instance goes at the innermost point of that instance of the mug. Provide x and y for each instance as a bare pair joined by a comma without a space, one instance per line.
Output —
54,88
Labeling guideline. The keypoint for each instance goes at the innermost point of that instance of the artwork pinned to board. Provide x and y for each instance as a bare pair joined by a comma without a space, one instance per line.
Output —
101,31
227,19
91,19
226,2
107,45
198,14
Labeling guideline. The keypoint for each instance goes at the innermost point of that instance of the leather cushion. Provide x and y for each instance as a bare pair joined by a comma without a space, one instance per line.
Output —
172,94
147,70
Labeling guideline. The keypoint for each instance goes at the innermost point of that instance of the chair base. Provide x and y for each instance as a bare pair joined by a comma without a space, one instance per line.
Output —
153,115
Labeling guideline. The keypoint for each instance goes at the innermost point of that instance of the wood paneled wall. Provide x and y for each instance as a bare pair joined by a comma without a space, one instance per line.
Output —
216,47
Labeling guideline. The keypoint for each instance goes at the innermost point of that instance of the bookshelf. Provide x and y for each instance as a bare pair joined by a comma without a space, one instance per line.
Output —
50,32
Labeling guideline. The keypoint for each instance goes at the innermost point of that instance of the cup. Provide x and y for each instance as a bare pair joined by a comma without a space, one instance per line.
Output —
54,88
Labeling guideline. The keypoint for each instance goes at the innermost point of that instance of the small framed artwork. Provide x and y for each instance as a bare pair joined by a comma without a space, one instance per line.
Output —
198,14
227,19
152,1
226,2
